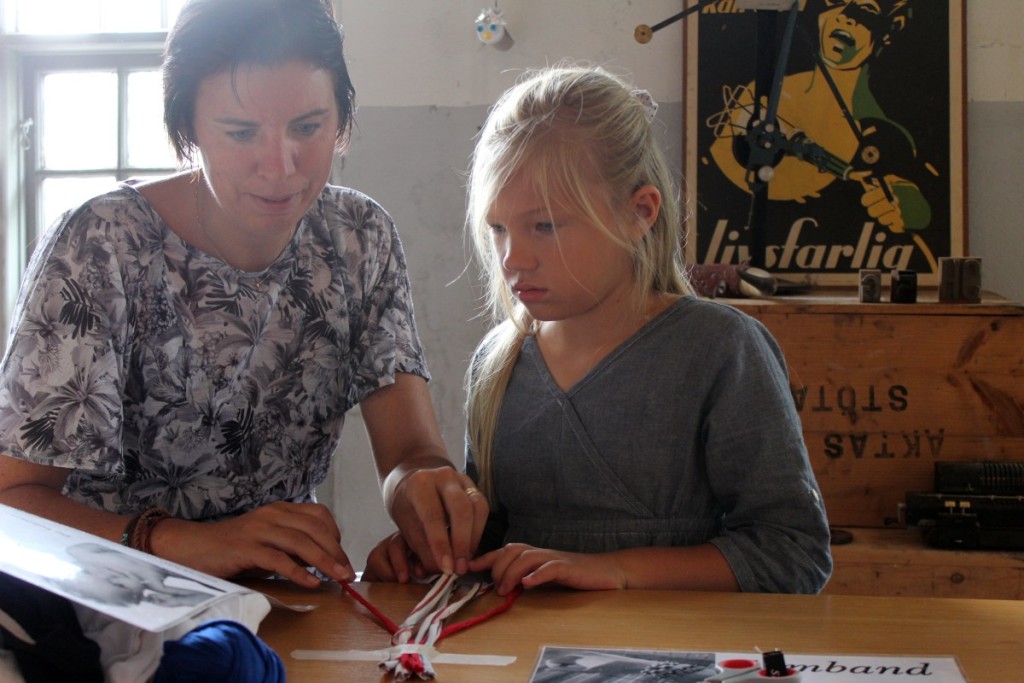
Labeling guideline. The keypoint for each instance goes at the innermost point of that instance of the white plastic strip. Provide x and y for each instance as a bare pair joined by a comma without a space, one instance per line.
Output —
378,655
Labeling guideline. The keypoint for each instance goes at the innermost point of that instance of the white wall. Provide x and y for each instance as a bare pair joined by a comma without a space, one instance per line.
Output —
995,51
424,82
995,141
426,53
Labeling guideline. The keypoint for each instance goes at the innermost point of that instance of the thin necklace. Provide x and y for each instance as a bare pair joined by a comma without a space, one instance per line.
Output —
257,280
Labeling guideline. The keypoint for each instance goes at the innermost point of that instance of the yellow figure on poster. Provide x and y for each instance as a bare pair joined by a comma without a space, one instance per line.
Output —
861,143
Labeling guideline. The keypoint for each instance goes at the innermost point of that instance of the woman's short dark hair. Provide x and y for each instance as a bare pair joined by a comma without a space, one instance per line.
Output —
212,36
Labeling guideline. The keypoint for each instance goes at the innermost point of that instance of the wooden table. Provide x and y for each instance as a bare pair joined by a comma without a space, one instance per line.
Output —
986,636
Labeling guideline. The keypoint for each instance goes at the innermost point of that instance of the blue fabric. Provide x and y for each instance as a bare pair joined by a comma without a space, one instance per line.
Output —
219,650
61,652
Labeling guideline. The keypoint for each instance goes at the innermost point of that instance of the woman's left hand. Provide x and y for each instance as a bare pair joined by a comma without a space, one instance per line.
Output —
518,563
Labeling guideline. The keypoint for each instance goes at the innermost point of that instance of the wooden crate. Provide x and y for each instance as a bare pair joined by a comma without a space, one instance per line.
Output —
896,562
884,390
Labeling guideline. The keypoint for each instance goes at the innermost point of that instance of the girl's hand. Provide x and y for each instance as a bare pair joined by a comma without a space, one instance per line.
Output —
279,538
392,560
520,563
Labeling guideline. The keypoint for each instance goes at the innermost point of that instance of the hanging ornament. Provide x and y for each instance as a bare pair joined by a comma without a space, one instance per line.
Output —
491,29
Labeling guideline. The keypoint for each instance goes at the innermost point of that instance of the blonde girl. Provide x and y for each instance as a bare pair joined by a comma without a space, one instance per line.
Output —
625,433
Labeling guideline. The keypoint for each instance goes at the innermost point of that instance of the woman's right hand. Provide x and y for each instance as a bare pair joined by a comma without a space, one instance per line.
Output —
279,538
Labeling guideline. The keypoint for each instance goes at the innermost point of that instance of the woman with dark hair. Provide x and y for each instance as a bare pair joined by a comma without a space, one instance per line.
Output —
185,349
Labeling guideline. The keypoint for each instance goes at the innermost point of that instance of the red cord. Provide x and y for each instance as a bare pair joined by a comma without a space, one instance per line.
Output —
391,626
455,628
446,631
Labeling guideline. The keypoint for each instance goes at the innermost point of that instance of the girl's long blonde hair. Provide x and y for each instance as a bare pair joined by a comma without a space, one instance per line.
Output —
585,136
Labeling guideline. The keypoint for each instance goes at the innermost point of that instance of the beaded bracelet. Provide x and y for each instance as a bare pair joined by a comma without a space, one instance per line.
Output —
138,530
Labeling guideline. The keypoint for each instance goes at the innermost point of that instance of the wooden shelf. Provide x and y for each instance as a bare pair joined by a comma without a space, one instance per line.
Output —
845,301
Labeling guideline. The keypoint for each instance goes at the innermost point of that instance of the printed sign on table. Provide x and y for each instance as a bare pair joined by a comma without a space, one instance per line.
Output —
601,665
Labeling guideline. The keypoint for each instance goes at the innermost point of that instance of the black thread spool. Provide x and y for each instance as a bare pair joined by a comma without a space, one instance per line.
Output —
774,664
903,287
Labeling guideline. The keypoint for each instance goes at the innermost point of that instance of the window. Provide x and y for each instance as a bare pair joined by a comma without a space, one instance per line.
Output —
89,121
89,16
84,107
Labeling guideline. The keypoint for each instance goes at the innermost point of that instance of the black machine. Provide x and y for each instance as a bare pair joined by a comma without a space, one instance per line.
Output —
975,505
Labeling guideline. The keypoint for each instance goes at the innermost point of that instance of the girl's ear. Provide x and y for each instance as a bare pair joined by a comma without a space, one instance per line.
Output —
645,204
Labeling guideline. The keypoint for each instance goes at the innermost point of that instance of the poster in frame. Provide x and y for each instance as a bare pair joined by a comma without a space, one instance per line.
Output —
870,111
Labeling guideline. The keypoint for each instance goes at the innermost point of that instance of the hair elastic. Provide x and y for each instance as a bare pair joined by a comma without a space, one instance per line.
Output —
650,106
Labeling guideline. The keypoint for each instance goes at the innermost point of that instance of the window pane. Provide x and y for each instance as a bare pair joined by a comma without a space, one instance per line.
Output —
58,16
57,195
90,16
173,10
79,120
130,15
148,146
